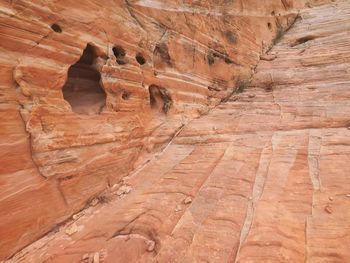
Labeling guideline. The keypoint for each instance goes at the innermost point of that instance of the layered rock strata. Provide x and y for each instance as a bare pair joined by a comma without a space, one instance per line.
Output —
262,177
87,88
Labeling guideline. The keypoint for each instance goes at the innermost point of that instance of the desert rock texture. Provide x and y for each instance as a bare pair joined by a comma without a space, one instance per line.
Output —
174,131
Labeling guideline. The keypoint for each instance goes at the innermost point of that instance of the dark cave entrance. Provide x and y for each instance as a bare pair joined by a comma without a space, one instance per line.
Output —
83,88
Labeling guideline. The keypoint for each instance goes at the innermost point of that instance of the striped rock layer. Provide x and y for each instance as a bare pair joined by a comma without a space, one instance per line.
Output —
255,171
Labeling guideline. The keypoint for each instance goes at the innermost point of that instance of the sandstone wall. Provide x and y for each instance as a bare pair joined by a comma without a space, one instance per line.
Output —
159,63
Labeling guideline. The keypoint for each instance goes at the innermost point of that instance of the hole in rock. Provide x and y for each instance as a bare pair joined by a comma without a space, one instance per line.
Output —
125,95
119,53
140,59
269,25
303,40
160,98
56,28
83,88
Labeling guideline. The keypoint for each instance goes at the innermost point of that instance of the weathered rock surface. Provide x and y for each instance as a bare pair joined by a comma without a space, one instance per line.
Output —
261,178
89,88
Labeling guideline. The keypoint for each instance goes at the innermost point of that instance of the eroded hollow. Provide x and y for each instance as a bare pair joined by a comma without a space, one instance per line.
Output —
119,53
160,99
269,25
140,59
55,27
83,88
303,40
126,95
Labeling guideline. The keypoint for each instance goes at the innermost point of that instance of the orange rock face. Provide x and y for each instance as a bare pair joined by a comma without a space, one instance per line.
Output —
90,90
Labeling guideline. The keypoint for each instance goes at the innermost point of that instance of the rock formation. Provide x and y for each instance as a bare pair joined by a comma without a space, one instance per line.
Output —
89,91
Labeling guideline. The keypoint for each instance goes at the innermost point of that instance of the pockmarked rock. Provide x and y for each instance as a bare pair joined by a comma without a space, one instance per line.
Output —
92,90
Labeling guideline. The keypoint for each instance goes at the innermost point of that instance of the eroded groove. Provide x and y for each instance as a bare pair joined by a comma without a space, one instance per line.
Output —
257,191
303,40
315,139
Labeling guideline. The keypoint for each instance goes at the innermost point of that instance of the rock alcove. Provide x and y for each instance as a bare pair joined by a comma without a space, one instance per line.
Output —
83,89
160,99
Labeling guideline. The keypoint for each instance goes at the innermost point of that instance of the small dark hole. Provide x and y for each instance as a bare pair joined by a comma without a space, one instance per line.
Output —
269,88
119,53
269,25
217,55
56,28
121,61
140,59
126,95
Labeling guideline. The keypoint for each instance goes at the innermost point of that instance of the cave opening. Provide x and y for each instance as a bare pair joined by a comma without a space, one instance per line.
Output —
83,88
160,99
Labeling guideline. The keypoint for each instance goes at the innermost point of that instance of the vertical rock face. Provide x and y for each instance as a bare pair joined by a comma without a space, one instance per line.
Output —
87,88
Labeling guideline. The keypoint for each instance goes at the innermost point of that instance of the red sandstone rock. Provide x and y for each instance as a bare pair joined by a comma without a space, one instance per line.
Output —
90,90
268,57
